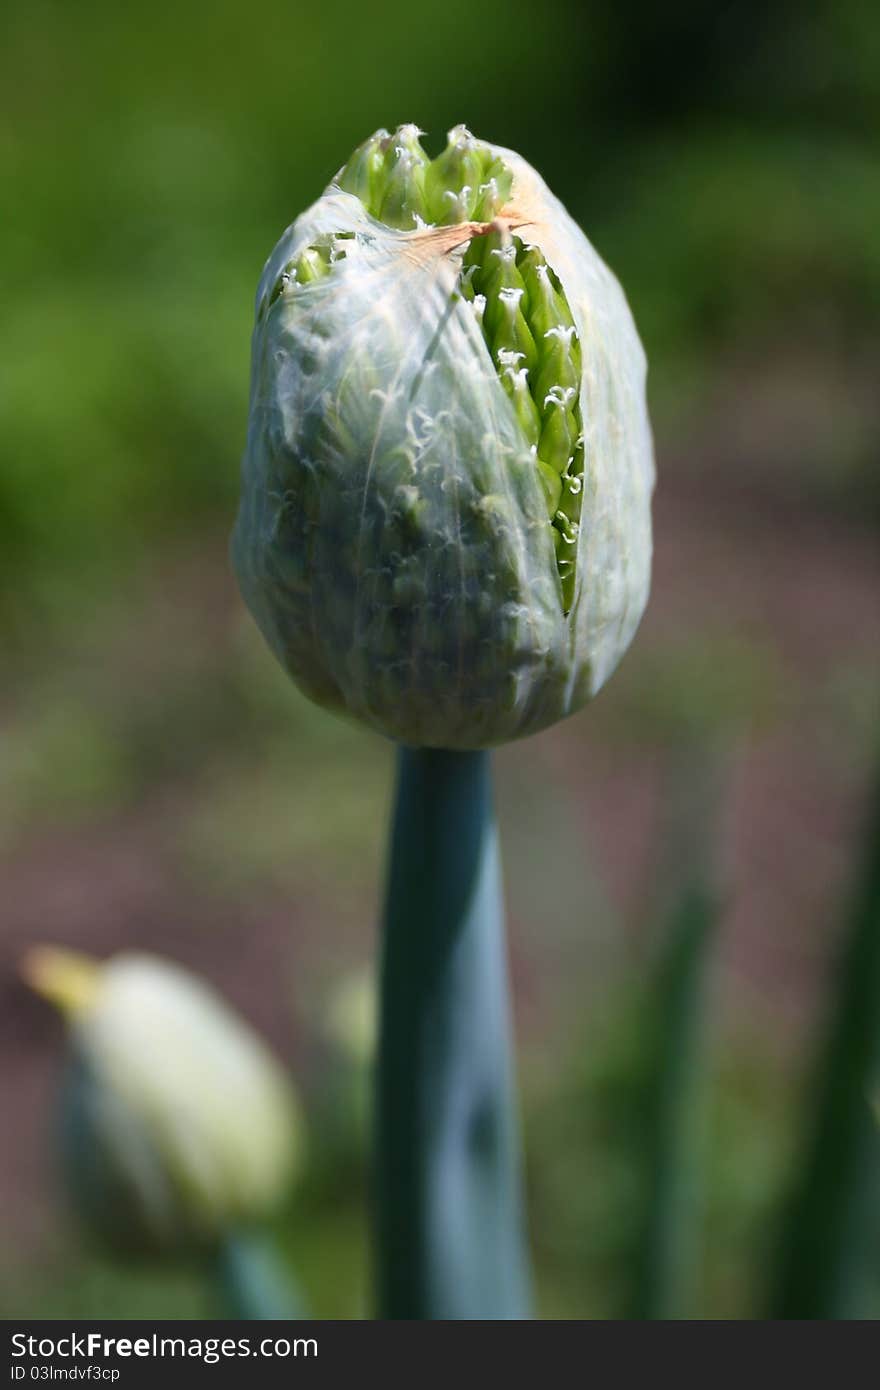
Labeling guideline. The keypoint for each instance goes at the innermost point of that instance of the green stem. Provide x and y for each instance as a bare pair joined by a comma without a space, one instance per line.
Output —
255,1284
450,1228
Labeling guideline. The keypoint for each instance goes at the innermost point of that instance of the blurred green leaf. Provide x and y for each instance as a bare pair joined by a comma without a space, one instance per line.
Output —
830,1262
671,1072
674,1113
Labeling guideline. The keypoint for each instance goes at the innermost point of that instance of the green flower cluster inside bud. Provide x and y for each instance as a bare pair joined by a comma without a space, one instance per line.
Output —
530,332
399,185
312,264
516,296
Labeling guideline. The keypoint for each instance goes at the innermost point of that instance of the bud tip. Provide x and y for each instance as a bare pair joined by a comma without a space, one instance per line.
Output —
67,979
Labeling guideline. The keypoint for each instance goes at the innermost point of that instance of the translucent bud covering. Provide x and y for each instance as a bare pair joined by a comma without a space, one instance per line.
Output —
445,518
178,1124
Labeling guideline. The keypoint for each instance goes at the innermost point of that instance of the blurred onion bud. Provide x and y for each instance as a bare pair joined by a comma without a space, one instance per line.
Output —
178,1125
445,518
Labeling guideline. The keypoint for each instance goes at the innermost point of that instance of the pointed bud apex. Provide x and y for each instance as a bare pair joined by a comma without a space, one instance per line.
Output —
364,173
403,202
66,979
453,178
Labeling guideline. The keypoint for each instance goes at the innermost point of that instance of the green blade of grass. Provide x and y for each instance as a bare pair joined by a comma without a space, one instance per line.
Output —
670,1090
830,1263
672,1097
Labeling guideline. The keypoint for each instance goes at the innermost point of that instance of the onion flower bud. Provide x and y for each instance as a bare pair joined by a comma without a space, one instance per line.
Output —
445,518
178,1125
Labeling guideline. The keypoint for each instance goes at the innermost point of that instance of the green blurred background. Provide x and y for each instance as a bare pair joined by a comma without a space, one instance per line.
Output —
162,786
